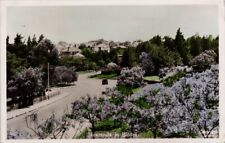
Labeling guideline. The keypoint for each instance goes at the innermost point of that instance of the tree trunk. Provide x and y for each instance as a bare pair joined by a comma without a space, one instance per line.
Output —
93,130
154,133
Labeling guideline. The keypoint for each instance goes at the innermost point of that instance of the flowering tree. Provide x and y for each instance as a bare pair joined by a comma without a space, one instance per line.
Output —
87,108
26,85
196,104
204,60
131,77
153,105
122,110
146,63
189,107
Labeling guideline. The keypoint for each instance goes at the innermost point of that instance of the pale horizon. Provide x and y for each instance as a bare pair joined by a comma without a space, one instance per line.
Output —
78,24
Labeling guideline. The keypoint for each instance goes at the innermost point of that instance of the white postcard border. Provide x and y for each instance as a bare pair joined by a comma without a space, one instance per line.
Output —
4,4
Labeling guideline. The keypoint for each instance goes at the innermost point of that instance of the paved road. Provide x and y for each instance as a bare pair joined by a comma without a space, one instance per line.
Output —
83,87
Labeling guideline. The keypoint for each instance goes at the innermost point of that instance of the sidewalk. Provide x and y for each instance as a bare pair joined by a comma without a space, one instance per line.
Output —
20,112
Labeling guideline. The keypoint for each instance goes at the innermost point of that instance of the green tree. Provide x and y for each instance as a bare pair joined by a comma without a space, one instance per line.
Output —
157,40
129,58
41,37
19,48
29,43
169,43
34,40
7,40
87,52
43,53
14,65
181,46
195,45
114,55
143,47
26,85
206,42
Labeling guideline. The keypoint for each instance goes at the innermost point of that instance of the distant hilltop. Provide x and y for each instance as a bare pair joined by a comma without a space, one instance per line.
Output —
67,49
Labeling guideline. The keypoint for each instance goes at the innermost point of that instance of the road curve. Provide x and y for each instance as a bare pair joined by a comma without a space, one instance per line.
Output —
83,87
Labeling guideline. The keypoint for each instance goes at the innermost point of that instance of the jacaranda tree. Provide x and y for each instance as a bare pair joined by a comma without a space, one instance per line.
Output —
26,85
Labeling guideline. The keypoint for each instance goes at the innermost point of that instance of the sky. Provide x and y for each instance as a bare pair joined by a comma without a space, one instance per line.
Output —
76,24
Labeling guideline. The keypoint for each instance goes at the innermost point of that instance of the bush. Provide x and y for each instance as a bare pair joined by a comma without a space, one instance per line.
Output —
171,80
64,75
131,77
204,60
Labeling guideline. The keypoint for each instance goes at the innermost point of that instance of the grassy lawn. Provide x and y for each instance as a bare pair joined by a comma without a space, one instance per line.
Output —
135,90
102,76
111,126
169,81
152,78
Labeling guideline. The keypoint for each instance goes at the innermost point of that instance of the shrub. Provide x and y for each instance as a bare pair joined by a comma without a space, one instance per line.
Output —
64,75
171,80
131,77
204,60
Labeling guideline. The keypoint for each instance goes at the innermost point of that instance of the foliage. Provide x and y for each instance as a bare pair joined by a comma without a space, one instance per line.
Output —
125,89
204,60
103,76
111,68
146,134
169,81
184,105
146,63
187,109
64,75
129,58
14,65
108,125
135,90
131,77
43,53
196,104
160,55
181,47
26,86
23,54
101,58
195,45
151,104
83,134
87,108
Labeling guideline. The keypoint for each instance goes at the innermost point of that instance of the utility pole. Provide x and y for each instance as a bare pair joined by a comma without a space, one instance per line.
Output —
48,71
48,75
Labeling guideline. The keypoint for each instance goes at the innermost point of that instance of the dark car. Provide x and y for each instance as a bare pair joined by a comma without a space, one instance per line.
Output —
104,82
